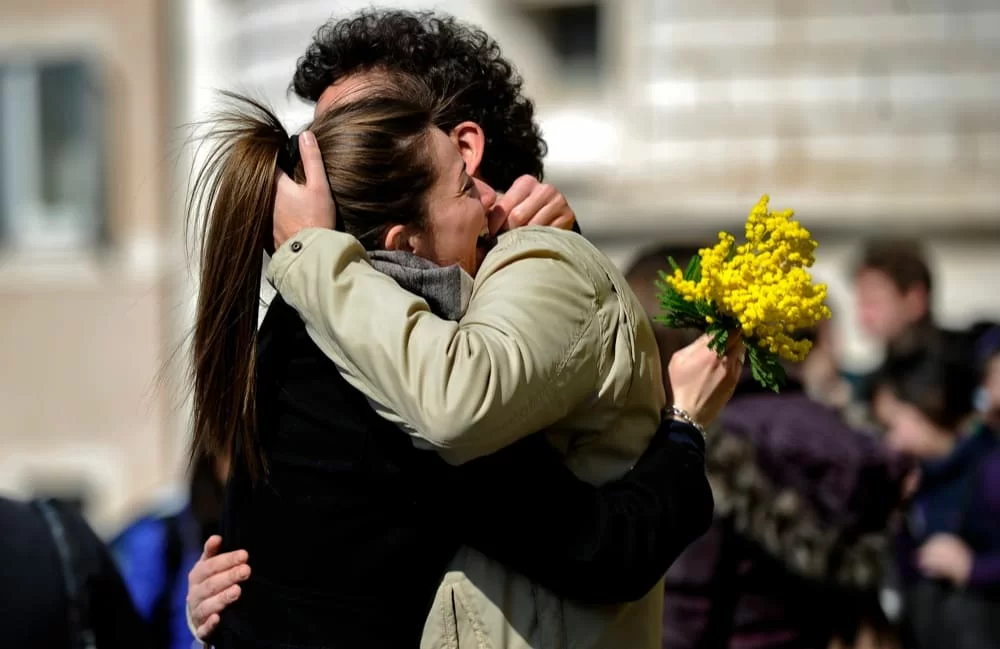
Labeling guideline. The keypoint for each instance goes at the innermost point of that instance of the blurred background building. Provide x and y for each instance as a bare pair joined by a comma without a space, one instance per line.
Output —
86,100
666,119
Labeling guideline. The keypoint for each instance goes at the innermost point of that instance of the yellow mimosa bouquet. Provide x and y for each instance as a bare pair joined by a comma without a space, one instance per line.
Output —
761,287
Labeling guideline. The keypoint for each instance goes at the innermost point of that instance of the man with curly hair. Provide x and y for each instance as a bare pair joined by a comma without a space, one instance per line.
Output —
492,124
458,61
448,55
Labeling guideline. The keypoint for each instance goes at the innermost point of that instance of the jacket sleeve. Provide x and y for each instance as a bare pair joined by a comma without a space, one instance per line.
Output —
985,570
521,358
603,544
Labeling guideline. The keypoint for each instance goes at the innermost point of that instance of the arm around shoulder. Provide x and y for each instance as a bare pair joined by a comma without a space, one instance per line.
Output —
521,358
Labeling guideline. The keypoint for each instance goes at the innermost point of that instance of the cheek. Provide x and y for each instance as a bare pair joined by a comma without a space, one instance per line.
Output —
451,236
465,222
475,217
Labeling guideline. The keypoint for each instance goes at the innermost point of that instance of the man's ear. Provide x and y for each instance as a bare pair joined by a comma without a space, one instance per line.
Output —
471,143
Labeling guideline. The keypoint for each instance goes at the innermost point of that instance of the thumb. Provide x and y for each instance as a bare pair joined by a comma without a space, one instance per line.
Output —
312,161
212,546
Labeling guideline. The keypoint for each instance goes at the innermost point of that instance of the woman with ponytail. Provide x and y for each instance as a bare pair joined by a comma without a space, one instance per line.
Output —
320,469
379,167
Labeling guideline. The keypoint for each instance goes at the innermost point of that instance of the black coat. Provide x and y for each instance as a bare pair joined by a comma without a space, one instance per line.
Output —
352,529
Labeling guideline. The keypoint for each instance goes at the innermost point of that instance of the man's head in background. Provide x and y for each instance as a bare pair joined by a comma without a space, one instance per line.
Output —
455,59
892,282
641,276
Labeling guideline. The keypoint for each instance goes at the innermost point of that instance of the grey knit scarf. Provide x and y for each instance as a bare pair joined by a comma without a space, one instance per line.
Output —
447,289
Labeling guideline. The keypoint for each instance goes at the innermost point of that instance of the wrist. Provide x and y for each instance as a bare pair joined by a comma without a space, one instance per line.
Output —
682,414
283,237
190,623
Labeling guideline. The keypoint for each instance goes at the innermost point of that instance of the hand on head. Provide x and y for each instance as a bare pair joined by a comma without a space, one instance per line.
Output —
529,202
701,382
310,205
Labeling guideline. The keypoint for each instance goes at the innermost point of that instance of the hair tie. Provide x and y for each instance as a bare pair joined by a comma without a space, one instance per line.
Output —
288,158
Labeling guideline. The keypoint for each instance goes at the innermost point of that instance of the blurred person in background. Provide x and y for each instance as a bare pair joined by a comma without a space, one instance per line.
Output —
987,399
893,289
820,373
803,509
803,506
948,550
155,553
59,588
892,283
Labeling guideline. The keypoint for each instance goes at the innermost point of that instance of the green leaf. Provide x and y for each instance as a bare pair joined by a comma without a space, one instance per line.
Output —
720,340
693,272
673,264
766,367
706,309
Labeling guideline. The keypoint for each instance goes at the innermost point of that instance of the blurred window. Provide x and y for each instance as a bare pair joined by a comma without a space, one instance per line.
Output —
572,32
52,154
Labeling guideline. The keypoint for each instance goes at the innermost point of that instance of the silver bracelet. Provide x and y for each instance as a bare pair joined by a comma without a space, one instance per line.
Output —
684,416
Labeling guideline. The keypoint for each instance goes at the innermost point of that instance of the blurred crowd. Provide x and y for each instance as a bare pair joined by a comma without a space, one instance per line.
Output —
850,510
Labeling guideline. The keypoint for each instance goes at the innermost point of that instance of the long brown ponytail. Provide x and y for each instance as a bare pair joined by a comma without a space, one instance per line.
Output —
379,166
233,198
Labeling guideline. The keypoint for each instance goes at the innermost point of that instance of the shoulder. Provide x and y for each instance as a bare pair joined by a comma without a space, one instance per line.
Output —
544,254
546,237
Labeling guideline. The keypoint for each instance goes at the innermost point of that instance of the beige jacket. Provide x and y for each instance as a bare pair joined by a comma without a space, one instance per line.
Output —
553,339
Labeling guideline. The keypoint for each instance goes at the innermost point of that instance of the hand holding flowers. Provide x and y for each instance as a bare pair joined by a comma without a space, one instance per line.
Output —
761,288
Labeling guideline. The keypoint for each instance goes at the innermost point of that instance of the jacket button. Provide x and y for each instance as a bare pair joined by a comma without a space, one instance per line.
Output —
296,246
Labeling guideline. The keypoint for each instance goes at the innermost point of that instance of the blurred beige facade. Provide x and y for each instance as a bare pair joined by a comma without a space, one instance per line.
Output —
87,264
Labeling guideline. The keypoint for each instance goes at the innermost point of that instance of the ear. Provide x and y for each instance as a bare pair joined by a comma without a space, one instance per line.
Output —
400,237
471,143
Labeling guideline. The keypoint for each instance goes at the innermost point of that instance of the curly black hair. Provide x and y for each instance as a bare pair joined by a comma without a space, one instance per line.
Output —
458,61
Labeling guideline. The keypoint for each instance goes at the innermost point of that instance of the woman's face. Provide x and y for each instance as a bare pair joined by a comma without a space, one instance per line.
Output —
457,231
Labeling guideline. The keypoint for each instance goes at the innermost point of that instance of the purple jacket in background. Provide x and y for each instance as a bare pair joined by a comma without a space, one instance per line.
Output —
851,480
803,503
986,565
959,494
